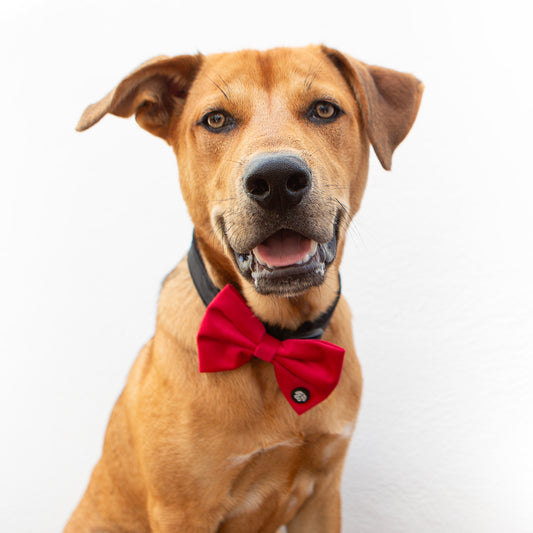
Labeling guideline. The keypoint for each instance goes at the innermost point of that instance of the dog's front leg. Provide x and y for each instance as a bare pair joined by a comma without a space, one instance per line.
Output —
321,512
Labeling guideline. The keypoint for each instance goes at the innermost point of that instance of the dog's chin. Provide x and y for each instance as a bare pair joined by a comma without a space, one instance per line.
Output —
286,263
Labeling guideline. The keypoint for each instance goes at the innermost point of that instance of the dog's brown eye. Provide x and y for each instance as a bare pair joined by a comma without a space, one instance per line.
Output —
217,121
323,111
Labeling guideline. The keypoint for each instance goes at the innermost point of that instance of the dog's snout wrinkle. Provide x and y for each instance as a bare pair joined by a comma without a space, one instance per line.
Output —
277,182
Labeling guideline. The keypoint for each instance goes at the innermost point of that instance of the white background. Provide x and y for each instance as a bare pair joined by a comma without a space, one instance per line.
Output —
437,268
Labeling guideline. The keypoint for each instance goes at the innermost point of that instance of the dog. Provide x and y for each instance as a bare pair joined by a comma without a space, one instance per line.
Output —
272,149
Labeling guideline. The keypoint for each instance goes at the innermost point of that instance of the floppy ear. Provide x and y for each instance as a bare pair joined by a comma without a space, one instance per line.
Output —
153,92
389,101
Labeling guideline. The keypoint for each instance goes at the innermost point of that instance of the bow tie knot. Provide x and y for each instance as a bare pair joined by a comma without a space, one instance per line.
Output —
230,335
267,348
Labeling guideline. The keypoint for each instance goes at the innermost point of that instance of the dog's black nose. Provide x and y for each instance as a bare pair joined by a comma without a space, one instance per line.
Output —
277,181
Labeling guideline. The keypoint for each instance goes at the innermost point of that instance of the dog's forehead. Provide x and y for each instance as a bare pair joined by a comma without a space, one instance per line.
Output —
269,69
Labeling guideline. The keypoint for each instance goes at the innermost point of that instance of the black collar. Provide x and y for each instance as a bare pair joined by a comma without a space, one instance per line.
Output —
207,291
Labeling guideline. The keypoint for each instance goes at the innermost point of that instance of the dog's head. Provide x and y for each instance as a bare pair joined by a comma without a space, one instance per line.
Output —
272,149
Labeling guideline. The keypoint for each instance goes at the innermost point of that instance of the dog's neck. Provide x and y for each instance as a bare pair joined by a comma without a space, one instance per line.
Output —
300,317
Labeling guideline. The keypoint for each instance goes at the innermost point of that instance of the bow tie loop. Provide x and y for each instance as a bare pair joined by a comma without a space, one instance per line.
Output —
267,348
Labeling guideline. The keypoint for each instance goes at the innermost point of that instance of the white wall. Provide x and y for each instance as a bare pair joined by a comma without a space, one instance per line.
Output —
437,269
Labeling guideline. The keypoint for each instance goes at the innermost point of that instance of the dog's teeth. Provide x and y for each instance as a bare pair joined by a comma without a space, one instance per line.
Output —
309,254
245,261
258,258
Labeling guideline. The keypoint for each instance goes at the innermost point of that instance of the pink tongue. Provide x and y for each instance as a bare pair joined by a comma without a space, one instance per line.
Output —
284,248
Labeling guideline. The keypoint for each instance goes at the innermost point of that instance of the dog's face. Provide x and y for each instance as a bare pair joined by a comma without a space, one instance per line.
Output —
272,149
277,140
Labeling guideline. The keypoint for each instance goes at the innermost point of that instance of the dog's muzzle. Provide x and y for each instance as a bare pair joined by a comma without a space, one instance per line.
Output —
289,257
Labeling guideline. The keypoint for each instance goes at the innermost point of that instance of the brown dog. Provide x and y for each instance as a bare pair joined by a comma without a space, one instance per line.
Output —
272,150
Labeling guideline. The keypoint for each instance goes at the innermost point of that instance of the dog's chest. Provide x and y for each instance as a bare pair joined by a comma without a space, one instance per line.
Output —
271,483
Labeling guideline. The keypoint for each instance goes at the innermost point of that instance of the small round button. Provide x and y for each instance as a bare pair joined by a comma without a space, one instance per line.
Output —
300,395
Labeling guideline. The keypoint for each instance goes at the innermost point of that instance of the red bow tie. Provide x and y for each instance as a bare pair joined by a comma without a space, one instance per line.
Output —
307,370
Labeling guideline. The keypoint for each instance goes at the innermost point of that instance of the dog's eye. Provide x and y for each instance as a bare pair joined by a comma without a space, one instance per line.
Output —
323,111
217,121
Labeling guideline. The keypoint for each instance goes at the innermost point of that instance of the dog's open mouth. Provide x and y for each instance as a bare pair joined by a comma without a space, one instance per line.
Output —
287,263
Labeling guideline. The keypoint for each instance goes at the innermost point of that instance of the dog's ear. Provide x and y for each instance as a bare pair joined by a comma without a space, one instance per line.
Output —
154,91
389,101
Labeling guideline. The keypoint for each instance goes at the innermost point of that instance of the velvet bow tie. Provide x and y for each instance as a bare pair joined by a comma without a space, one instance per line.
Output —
230,335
